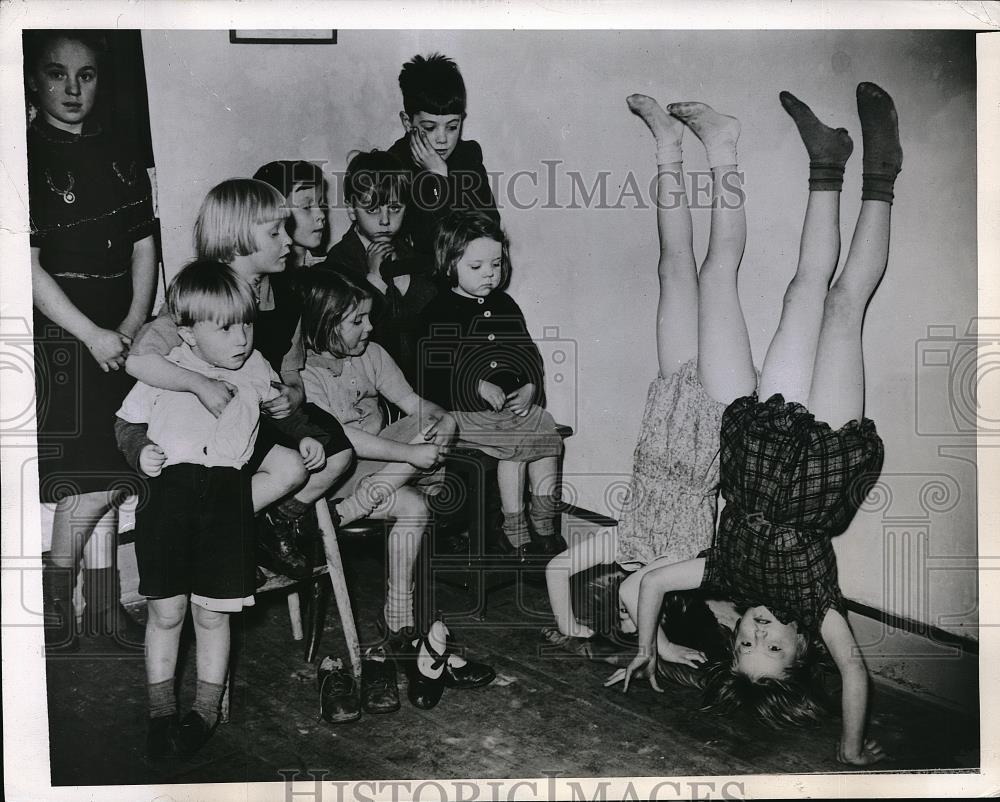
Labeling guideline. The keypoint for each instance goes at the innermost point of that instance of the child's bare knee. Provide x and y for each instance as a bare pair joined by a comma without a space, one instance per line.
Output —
410,504
167,613
208,619
287,468
843,305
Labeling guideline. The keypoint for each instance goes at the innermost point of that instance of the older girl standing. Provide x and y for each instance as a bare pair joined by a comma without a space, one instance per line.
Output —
93,271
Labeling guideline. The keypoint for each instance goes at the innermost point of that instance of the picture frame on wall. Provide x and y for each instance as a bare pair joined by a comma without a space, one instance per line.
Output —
283,36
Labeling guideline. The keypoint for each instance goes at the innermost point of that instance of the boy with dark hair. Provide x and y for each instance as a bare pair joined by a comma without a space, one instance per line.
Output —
447,172
373,251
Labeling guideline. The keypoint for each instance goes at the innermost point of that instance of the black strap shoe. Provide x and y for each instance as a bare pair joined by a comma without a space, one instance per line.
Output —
471,675
422,690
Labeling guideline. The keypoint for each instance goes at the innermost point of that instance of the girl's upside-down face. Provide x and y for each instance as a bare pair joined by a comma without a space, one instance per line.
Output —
765,647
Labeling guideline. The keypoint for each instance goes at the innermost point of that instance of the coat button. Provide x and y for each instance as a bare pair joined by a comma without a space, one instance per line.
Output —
480,300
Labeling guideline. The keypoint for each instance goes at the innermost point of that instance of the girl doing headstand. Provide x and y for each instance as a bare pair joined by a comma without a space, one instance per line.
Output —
794,475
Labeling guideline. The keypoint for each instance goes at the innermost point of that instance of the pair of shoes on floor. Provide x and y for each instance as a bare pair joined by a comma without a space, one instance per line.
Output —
428,671
340,700
167,736
277,547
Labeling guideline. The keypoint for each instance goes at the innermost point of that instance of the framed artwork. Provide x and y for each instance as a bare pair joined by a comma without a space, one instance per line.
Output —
283,36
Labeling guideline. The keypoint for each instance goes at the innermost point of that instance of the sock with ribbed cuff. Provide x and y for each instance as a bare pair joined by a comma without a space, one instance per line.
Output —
828,148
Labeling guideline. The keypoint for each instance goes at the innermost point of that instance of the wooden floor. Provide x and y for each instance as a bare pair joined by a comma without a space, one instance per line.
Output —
545,713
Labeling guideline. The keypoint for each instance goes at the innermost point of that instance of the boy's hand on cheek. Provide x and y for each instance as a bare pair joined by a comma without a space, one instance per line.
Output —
215,395
312,453
425,155
151,460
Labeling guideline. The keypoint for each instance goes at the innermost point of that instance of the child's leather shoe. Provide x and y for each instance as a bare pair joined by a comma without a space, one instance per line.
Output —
193,733
161,736
379,690
339,700
422,690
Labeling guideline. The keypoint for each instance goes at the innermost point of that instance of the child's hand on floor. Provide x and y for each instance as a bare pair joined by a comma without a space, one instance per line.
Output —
642,665
492,395
313,456
870,753
151,460
519,401
214,394
424,154
424,455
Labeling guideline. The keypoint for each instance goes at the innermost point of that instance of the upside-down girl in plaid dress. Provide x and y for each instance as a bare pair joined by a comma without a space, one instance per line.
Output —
793,474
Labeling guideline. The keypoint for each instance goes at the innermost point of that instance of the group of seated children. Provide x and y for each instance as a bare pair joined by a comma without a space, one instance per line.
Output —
258,325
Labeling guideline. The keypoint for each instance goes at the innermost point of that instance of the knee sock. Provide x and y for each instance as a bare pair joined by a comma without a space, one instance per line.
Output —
543,513
162,699
515,527
207,699
398,606
883,156
828,148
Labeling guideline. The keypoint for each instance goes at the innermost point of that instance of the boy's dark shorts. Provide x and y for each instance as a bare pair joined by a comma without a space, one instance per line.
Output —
334,439
195,535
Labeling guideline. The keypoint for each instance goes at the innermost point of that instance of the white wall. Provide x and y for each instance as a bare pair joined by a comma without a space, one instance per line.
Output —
221,110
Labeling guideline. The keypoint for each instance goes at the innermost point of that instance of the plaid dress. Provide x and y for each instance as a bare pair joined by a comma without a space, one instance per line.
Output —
790,484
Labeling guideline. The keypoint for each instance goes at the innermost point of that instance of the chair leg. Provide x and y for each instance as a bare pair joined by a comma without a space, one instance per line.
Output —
295,615
224,711
339,582
319,592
